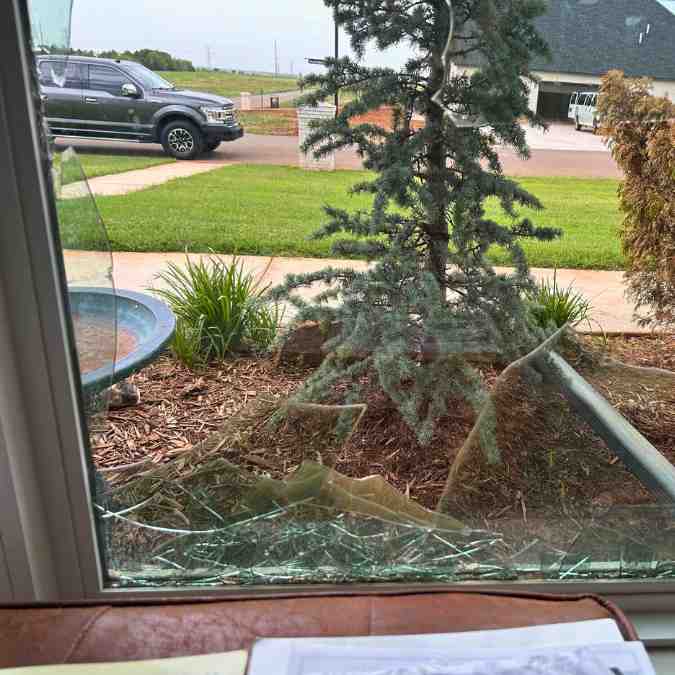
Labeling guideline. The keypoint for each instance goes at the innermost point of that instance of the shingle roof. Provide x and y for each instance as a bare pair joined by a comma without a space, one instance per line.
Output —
591,37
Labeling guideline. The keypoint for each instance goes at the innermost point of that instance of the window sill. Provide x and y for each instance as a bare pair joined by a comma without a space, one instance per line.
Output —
657,631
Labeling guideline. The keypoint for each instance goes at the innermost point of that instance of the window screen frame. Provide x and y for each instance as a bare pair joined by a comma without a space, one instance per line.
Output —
55,557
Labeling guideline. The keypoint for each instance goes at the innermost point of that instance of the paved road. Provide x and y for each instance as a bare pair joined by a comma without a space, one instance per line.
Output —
283,150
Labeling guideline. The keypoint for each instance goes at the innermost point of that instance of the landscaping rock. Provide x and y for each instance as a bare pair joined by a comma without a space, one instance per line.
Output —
305,344
121,395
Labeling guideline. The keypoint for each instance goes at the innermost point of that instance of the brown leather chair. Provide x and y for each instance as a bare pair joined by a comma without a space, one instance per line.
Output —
127,632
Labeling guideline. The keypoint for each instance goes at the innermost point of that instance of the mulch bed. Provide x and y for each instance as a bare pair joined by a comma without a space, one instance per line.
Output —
553,472
180,408
653,351
645,398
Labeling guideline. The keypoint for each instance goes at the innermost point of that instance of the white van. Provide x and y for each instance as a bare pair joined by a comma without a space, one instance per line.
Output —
583,109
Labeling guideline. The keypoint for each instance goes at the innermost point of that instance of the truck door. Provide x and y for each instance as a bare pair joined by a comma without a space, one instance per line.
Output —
61,88
109,113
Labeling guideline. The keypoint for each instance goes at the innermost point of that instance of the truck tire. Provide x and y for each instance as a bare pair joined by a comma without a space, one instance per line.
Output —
182,139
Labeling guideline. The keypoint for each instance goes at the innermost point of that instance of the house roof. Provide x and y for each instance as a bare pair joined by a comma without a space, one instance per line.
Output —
590,37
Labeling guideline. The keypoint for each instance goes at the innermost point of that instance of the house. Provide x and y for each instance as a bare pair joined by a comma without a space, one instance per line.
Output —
589,37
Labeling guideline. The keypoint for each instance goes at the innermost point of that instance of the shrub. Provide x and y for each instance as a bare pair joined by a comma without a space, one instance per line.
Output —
186,344
220,309
641,131
430,294
552,305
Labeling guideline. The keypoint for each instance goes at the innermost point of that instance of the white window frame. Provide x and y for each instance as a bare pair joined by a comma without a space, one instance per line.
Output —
48,547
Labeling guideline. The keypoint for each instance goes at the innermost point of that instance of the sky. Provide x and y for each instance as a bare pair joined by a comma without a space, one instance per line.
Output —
239,34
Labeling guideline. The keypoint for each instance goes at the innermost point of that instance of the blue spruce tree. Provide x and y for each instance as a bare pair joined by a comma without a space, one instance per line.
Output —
430,298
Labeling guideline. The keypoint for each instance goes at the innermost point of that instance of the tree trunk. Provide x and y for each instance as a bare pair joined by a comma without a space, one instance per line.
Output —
437,208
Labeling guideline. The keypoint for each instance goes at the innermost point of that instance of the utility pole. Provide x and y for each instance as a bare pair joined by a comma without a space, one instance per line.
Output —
209,63
276,59
337,56
292,67
324,62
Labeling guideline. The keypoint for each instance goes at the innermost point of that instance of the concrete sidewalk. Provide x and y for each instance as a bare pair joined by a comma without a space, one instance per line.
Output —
611,312
139,179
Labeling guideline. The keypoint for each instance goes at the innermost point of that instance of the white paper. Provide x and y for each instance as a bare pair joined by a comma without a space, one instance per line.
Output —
232,663
274,655
628,658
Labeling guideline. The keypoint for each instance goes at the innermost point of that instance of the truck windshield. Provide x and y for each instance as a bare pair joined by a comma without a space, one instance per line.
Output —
147,78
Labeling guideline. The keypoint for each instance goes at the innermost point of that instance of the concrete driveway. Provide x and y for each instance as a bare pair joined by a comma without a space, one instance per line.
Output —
563,136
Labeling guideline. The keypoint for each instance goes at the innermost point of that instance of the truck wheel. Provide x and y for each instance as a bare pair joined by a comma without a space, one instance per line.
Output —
210,147
182,139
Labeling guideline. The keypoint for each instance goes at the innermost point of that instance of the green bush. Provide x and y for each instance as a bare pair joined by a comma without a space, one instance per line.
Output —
640,129
552,305
186,345
220,310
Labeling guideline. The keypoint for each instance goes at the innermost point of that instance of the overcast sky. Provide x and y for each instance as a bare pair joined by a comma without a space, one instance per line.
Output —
240,34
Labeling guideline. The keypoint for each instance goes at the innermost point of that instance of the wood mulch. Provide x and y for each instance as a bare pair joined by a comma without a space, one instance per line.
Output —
652,351
552,463
180,408
646,398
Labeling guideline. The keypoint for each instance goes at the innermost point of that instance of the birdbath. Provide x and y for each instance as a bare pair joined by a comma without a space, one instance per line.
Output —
117,333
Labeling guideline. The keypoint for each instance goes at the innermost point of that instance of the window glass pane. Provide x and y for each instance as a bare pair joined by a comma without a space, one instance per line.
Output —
425,339
50,22
106,79
67,75
146,77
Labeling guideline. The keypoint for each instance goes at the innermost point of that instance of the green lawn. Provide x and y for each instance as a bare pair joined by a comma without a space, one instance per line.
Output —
104,165
271,210
230,84
268,123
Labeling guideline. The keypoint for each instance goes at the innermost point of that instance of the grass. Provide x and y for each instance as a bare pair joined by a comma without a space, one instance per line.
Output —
230,84
95,165
272,210
268,123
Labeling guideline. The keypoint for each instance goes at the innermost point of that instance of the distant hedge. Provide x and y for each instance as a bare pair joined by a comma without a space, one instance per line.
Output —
150,58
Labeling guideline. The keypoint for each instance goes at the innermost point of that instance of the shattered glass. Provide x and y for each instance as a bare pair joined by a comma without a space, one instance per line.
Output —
50,23
87,257
91,289
202,520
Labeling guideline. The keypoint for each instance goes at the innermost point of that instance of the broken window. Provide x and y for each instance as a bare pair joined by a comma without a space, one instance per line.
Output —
408,411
